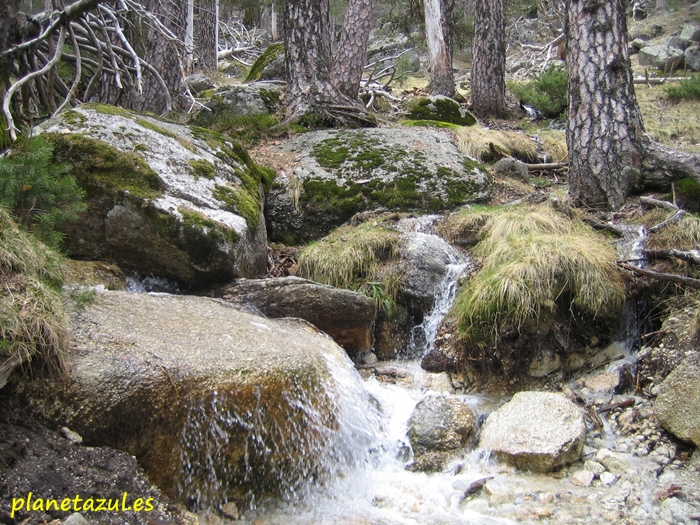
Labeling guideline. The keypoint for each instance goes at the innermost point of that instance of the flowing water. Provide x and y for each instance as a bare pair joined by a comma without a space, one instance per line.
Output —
371,485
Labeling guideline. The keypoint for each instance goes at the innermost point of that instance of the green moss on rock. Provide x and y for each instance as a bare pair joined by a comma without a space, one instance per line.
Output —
272,53
441,109
202,168
194,220
237,199
95,161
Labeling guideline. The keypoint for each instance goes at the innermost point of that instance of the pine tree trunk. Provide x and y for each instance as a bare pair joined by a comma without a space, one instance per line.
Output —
352,50
489,60
206,41
605,130
438,28
311,95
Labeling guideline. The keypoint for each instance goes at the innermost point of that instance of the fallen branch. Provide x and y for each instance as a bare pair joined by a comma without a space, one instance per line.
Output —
672,277
620,404
657,81
691,256
673,218
657,203
547,166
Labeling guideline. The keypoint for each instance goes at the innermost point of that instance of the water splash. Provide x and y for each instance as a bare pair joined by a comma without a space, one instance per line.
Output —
241,444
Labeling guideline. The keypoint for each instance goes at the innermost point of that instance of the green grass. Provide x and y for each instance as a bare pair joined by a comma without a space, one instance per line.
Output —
356,258
32,315
684,90
532,260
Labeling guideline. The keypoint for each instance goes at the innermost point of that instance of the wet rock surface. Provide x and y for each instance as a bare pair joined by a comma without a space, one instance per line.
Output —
439,427
537,431
346,316
165,377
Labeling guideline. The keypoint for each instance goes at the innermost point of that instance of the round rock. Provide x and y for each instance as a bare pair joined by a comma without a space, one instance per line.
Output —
537,431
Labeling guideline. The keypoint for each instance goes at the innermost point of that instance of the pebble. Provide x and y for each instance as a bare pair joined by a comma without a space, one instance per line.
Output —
608,478
582,478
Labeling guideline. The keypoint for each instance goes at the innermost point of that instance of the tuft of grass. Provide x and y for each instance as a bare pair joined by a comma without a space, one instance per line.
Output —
685,90
465,226
356,258
474,141
554,144
533,259
32,316
681,235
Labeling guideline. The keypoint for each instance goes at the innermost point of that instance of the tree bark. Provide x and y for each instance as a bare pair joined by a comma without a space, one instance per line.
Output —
489,60
438,28
311,95
609,153
352,50
206,34
605,130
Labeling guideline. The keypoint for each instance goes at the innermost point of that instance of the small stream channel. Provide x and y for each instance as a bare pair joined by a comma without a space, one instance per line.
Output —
372,486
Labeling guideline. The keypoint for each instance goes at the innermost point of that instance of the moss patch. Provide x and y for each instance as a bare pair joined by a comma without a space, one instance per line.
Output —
429,124
202,168
441,109
106,109
153,127
194,220
239,200
98,162
272,53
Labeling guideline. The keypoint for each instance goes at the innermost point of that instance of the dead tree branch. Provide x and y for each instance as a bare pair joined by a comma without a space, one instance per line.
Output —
99,48
691,256
672,277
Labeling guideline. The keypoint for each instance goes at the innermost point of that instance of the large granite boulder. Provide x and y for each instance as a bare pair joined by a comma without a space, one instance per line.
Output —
441,109
346,316
244,100
162,198
337,174
439,426
661,57
215,403
537,431
677,406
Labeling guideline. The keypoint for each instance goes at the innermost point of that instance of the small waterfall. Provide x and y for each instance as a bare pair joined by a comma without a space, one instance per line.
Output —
631,249
238,444
423,336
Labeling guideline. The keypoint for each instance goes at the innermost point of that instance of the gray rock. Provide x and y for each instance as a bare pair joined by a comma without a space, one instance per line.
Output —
582,478
71,436
677,406
198,82
638,43
76,519
615,462
439,426
245,100
228,68
170,378
161,197
346,316
692,58
513,168
674,42
661,57
690,32
537,431
275,70
341,173
544,362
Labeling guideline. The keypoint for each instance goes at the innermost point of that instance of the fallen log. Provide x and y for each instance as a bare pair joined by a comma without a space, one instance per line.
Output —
672,277
691,256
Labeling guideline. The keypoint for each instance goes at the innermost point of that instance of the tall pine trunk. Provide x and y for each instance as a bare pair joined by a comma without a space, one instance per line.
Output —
438,28
489,60
206,35
605,130
352,50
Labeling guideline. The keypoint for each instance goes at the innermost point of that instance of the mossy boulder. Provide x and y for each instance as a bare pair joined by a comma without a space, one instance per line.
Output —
441,109
341,173
246,100
216,404
165,199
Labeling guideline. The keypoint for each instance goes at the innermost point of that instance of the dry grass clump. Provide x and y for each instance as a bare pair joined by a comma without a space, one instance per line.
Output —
474,141
532,258
554,144
465,226
32,315
351,256
681,235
